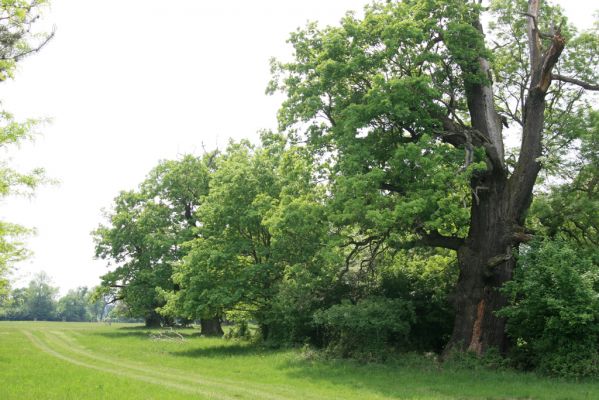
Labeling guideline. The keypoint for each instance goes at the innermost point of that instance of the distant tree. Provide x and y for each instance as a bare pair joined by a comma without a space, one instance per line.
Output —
40,298
13,307
74,306
98,303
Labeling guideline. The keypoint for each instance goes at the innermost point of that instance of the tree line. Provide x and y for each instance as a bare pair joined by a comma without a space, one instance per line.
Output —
39,301
388,213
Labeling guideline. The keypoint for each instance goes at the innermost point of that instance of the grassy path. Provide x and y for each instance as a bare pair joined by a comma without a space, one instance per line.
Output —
61,344
43,346
71,361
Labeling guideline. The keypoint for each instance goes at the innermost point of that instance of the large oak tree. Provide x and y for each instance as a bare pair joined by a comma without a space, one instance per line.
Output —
410,107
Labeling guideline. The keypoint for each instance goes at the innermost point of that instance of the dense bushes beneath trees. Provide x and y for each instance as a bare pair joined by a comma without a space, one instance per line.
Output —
387,215
554,313
266,250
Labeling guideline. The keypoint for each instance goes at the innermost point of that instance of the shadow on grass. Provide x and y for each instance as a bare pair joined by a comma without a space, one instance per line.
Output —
143,332
381,379
415,377
166,328
117,334
232,350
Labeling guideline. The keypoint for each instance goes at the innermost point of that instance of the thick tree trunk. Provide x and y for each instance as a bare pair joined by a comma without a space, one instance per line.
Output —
153,320
499,203
211,327
486,262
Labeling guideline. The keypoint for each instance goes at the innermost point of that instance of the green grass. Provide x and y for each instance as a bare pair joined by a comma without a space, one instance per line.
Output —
45,360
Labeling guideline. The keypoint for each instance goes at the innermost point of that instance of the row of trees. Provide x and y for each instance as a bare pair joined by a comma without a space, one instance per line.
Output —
39,301
388,212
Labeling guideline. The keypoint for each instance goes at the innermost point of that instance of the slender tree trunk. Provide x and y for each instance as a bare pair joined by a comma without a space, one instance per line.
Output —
211,327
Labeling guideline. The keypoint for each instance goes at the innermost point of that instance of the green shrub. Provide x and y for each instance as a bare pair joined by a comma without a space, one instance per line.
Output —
426,279
368,329
554,312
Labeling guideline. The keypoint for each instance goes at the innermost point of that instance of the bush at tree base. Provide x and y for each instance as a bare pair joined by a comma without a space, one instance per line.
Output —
553,317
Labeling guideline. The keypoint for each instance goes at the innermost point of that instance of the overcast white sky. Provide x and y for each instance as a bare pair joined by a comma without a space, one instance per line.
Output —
128,83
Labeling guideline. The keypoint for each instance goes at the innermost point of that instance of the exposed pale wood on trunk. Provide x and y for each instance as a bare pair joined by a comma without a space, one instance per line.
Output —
475,343
498,212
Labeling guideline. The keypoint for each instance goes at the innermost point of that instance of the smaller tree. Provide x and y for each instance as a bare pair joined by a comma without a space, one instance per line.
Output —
40,298
145,233
262,215
74,305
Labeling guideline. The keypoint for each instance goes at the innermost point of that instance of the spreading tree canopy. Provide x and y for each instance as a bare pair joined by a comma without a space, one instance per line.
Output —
409,108
262,216
145,233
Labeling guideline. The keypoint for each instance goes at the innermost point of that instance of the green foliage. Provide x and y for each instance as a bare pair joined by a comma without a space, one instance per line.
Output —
146,232
37,301
366,330
302,291
261,216
425,279
74,306
369,96
12,250
553,318
566,104
554,312
17,40
570,211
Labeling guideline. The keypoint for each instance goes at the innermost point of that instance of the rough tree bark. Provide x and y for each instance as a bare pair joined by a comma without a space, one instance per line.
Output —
499,201
211,327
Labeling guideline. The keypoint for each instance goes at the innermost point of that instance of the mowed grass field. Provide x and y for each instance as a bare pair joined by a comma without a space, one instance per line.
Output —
46,360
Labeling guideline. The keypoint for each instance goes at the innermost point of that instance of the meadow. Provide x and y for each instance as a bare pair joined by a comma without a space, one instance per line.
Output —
53,360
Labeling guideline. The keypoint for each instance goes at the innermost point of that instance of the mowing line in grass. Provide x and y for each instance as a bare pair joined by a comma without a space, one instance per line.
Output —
68,344
263,391
182,387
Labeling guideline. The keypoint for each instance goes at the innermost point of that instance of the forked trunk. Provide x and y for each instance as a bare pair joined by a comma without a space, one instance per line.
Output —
499,202
211,327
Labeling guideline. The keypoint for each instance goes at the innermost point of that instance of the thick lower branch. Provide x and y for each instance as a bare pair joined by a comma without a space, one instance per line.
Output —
431,239
435,239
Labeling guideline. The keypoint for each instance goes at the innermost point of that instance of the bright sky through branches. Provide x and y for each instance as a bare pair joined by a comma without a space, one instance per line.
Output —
128,83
